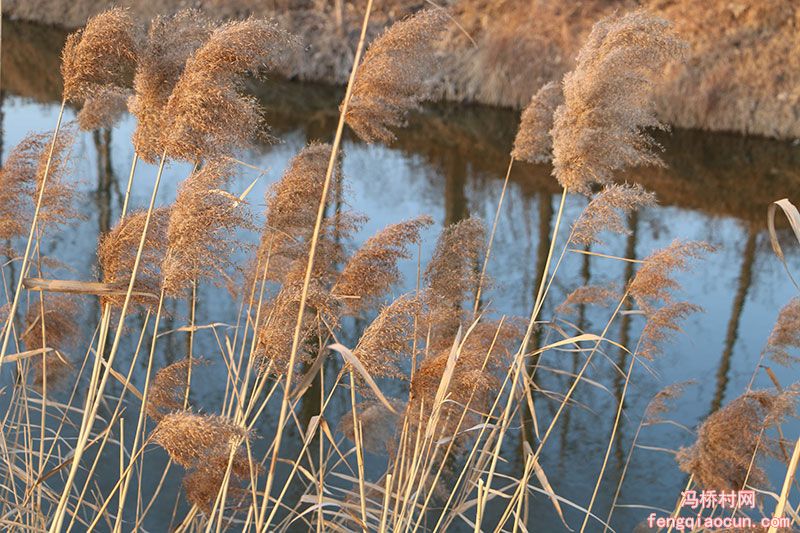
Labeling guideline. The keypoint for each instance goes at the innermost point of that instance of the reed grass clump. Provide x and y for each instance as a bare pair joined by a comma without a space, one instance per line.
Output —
51,323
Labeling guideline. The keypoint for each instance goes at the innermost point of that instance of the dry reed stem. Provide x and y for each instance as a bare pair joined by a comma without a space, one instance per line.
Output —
389,81
599,130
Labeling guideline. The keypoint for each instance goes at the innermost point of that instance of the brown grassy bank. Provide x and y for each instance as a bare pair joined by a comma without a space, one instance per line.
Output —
742,73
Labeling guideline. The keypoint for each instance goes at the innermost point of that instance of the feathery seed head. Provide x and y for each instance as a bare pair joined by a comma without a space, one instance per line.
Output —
602,295
653,282
721,458
201,232
100,57
60,333
117,251
389,80
605,212
168,390
599,130
372,270
208,115
170,42
661,323
533,142
785,334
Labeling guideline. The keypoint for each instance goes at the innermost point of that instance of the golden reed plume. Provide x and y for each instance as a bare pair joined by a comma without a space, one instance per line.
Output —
117,251
201,232
533,142
208,115
170,42
599,130
390,80
97,65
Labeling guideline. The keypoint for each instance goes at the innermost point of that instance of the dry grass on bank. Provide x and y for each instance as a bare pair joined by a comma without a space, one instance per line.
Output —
464,374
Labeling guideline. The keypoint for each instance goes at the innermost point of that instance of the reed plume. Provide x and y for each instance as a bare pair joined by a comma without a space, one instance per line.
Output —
386,343
533,142
22,177
168,390
276,335
202,444
170,42
292,209
660,403
660,324
601,295
721,457
203,483
606,210
117,251
487,348
653,282
608,104
104,108
452,275
372,270
201,231
208,115
61,332
389,82
97,65
785,334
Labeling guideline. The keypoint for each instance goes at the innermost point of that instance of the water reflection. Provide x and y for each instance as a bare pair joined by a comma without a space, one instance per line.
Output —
450,162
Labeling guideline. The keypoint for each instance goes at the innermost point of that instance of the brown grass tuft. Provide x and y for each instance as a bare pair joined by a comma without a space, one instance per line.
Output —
606,210
61,334
452,274
101,57
602,295
372,270
608,100
653,282
660,324
116,254
168,390
728,439
389,81
208,116
201,232
533,142
170,42
785,334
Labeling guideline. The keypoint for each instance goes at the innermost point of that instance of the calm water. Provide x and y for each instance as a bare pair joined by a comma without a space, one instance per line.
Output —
450,163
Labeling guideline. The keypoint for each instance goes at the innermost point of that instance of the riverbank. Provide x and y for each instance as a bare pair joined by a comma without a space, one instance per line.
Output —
742,73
